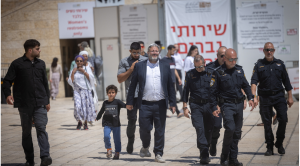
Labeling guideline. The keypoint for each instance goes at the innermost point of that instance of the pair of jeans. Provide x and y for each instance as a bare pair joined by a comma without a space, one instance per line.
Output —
39,116
153,112
117,137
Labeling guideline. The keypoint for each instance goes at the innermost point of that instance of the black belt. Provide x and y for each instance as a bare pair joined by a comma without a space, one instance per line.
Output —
236,101
201,101
260,92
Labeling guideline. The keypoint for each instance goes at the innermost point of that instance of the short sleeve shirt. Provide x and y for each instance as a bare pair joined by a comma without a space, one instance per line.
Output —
124,65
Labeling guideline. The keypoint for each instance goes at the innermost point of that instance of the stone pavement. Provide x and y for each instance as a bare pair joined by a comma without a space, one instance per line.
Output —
70,147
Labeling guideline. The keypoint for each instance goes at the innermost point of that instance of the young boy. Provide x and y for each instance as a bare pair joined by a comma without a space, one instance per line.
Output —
111,120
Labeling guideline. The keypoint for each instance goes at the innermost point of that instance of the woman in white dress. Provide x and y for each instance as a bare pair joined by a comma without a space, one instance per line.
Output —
82,79
189,60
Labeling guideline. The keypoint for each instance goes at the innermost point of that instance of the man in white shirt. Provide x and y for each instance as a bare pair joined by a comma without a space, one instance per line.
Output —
156,92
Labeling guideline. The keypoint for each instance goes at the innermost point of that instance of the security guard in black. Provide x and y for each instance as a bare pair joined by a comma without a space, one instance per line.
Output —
226,84
270,73
197,86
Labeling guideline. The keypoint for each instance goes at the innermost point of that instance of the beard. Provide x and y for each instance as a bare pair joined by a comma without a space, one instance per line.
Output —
153,59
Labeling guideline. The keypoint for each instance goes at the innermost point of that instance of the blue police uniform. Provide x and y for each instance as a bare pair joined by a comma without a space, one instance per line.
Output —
218,120
226,85
197,85
271,76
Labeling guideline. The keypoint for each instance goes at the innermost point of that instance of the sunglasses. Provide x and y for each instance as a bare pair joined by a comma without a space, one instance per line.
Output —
232,59
79,61
222,56
142,46
134,53
271,50
199,67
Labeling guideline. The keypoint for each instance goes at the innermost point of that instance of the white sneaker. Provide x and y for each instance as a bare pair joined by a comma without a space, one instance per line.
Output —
144,152
159,159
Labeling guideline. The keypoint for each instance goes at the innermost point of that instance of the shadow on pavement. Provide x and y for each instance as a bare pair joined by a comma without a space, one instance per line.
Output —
252,153
15,125
13,164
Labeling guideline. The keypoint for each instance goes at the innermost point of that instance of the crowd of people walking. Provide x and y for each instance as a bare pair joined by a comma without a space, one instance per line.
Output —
216,92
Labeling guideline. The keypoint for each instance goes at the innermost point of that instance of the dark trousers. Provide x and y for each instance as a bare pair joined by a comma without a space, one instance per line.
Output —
176,108
179,87
266,105
232,122
131,116
153,112
202,120
39,115
216,130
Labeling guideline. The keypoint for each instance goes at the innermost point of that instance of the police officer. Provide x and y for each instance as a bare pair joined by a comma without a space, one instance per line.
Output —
217,120
197,84
271,73
226,84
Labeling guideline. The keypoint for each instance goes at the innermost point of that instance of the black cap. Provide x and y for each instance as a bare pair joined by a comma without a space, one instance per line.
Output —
158,42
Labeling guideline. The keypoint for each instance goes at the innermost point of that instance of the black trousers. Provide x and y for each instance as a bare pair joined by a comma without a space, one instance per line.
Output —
39,115
216,130
266,105
131,116
179,87
203,122
153,112
232,121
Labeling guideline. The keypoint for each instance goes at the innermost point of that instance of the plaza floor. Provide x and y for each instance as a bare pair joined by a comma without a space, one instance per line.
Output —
70,147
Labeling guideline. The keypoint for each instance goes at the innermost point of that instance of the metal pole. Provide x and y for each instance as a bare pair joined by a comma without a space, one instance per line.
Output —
161,26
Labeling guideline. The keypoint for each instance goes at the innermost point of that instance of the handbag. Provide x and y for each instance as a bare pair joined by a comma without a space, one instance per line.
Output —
87,85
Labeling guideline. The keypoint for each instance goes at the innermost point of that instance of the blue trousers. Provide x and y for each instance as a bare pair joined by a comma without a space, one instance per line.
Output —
153,112
117,137
232,121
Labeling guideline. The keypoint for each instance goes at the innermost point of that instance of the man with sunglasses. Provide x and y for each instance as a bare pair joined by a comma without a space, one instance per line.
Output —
125,70
197,86
218,120
271,73
143,53
227,83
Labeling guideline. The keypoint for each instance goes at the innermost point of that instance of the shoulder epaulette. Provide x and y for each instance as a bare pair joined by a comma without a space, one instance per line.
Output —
219,70
257,61
239,66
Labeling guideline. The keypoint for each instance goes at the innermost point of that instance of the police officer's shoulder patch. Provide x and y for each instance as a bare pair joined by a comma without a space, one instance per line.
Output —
212,81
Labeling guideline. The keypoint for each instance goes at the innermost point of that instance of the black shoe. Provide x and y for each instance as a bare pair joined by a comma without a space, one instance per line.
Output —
269,152
204,160
235,162
117,156
86,126
213,149
79,125
29,163
46,161
281,150
224,160
129,146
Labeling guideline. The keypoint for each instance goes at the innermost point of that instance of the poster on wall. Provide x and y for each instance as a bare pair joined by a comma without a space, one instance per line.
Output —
206,24
258,23
106,3
133,24
76,20
294,79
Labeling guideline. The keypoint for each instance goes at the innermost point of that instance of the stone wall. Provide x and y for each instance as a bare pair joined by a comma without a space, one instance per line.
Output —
34,19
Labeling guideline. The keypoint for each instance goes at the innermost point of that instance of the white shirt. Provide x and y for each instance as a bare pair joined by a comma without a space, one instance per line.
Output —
81,80
189,63
153,89
178,61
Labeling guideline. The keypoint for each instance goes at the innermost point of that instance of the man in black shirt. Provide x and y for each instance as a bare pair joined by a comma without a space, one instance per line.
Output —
31,97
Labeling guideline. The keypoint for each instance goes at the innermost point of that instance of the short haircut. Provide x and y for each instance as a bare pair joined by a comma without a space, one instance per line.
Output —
141,42
109,87
220,48
198,58
30,44
153,45
170,47
135,46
